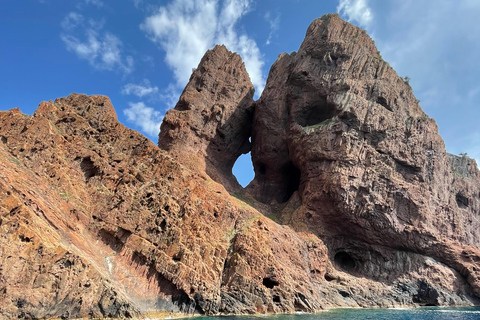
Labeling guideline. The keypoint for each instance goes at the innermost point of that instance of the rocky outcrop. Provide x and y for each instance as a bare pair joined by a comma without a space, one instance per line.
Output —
355,202
211,123
368,165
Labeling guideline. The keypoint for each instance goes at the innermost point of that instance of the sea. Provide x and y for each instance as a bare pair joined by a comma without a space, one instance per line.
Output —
425,313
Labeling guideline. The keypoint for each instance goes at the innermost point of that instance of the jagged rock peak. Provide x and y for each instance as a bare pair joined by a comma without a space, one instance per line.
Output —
331,28
210,125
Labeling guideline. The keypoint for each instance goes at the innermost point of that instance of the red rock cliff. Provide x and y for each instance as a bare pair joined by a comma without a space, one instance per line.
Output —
355,202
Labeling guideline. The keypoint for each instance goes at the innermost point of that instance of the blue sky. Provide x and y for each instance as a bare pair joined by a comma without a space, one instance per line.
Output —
140,53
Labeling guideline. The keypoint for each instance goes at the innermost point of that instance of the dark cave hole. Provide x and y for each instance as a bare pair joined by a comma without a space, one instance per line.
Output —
88,167
270,283
292,178
315,112
21,303
276,299
329,278
262,169
163,225
383,102
462,201
344,293
24,238
344,261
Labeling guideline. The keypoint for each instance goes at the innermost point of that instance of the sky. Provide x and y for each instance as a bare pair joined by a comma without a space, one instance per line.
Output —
140,53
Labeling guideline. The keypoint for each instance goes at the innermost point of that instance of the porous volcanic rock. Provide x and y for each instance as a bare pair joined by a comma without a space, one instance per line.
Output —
355,202
374,179
211,123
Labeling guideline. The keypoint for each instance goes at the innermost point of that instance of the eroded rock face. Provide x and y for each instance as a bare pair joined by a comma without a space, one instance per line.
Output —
367,163
211,123
366,208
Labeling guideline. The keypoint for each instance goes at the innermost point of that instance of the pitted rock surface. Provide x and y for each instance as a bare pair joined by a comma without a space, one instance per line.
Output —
211,123
368,164
355,202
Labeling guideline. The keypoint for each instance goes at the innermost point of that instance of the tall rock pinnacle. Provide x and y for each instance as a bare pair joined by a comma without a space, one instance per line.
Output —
210,125
337,126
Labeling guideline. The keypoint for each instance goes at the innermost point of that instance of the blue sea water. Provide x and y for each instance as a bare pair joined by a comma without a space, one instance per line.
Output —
427,313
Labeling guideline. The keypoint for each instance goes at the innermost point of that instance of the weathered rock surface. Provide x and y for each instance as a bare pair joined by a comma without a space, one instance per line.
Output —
211,123
368,165
355,202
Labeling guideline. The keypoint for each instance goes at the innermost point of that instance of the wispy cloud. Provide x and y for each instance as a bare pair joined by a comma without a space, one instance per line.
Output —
355,11
274,25
137,3
144,117
103,50
97,3
71,21
186,29
140,90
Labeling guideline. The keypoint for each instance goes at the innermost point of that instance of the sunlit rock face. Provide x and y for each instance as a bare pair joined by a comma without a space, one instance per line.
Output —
355,202
211,123
339,129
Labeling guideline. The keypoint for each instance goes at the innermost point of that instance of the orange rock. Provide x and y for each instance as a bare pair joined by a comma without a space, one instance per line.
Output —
355,202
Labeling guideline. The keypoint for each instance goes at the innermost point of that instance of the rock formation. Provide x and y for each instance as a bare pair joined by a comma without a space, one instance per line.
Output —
211,123
355,202
368,164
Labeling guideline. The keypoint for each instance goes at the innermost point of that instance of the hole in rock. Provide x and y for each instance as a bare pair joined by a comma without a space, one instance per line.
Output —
163,225
243,169
25,239
276,299
262,169
462,201
88,167
383,102
329,278
344,294
292,176
315,112
21,303
270,283
344,261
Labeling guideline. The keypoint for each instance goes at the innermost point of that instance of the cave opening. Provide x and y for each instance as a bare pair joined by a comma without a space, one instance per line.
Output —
345,261
292,177
88,167
270,283
315,112
462,201
243,169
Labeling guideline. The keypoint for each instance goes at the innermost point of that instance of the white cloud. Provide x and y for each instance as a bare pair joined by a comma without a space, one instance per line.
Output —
140,90
186,29
274,25
137,3
97,3
102,50
71,21
144,117
355,10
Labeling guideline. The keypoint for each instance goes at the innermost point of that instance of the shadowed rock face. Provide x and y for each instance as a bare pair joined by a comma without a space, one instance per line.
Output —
366,208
